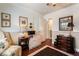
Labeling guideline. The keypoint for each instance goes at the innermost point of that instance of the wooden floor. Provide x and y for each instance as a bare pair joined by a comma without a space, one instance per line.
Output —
47,42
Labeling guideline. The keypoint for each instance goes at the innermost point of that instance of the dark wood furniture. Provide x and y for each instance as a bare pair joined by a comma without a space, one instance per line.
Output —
24,43
31,32
65,43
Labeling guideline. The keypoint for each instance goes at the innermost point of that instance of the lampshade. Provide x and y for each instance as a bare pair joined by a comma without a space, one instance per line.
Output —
26,35
51,4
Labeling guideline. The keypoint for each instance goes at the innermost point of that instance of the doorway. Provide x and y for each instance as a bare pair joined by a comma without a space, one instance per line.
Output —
50,23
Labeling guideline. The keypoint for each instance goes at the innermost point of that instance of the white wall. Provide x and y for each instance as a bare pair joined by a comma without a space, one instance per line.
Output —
16,11
19,10
72,10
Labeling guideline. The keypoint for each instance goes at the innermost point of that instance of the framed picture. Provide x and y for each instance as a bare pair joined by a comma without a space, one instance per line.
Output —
5,20
23,21
66,23
5,16
5,24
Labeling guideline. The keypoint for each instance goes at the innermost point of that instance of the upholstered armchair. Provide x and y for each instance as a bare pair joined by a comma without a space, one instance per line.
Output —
8,46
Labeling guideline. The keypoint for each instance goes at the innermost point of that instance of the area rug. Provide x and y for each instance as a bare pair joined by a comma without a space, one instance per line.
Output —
49,51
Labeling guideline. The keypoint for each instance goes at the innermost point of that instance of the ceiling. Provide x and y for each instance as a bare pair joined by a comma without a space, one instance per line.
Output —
43,9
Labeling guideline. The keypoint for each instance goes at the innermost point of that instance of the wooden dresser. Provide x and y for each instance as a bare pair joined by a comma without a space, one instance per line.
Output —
65,43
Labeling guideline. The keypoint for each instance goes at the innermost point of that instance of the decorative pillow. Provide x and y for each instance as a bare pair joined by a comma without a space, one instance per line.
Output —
3,46
2,41
1,35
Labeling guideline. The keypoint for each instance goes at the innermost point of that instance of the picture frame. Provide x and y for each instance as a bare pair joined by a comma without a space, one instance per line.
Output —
5,20
23,21
5,16
5,23
65,23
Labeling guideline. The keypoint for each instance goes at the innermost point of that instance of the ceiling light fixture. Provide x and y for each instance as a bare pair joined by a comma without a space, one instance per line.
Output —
51,4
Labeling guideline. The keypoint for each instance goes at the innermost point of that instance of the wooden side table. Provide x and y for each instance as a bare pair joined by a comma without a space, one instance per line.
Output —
24,43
